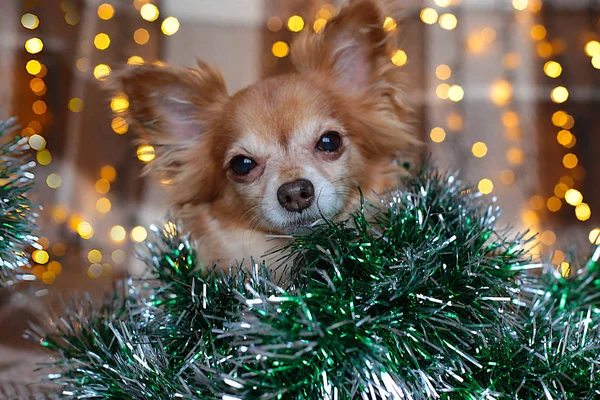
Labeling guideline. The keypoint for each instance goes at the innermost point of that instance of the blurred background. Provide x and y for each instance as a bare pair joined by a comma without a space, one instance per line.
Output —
505,91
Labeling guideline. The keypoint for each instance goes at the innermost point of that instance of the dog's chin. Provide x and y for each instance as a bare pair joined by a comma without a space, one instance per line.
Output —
294,224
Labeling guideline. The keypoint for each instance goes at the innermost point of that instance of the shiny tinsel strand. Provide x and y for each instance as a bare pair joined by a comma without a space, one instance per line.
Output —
421,297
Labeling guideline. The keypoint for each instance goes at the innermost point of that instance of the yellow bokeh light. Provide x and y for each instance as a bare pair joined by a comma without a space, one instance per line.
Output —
54,181
570,122
399,58
501,92
108,172
485,186
319,25
558,257
554,204
510,119
548,238
573,197
448,21
559,94
141,36
570,160
102,41
119,125
456,93
520,4
102,186
149,12
592,48
537,202
455,121
530,217
135,60
170,26
429,16
75,105
552,69
560,118
106,11
596,61
538,32
118,233
442,91
544,49
443,3
507,177
594,236
85,230
101,71
389,24
48,277
443,72
94,256
33,67
30,21
44,157
475,43
437,135
280,49
564,137
118,256
34,45
560,189
295,23
479,149
40,256
39,107
515,156
139,234
583,212
55,267
145,153
37,142
119,103
103,205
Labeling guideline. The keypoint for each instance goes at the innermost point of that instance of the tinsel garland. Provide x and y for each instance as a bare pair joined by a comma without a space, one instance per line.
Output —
420,297
17,213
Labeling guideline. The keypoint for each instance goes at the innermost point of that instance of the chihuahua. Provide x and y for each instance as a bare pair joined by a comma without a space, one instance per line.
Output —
284,153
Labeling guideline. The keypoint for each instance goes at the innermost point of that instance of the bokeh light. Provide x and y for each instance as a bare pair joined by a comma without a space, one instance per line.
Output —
54,181
149,12
429,16
399,58
102,41
553,69
280,49
101,71
583,212
145,153
141,36
119,125
559,94
139,234
117,234
448,21
34,45
295,23
443,72
437,135
103,205
30,21
485,186
479,149
33,67
106,11
170,26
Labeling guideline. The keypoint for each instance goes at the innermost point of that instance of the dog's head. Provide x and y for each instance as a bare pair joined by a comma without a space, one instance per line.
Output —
287,150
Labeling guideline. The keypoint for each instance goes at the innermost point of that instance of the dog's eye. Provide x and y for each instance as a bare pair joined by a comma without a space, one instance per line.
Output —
329,142
242,165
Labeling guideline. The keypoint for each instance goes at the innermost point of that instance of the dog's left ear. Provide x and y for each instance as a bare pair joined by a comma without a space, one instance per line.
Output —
354,47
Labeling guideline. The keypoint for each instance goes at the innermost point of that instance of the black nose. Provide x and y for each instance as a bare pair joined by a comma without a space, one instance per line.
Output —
297,195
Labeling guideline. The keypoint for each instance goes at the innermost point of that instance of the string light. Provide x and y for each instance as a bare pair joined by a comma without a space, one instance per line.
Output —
520,4
34,45
145,153
570,160
485,186
141,36
101,71
295,23
280,49
30,21
437,135
443,72
552,69
399,58
119,125
103,205
149,12
94,256
507,177
108,172
479,149
119,103
102,41
559,94
170,26
573,197
117,234
389,24
592,48
54,181
319,25
448,21
102,186
37,142
274,24
583,212
43,157
106,11
442,91
33,67
429,16
75,105
456,93
118,256
139,234
501,92
85,230
554,204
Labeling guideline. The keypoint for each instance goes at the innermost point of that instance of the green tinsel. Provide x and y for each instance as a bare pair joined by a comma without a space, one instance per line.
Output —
422,299
17,216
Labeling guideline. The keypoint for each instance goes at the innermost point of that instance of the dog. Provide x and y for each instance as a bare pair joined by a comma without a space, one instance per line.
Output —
284,153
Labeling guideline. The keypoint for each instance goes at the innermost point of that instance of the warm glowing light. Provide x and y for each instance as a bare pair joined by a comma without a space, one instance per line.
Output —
399,58
149,12
511,60
479,149
55,267
429,16
75,105
564,269
594,236
596,61
94,256
141,36
106,11
118,256
570,160
389,24
442,91
510,119
558,257
33,67
48,277
101,71
118,233
567,180
443,72
108,172
560,189
443,3
437,135
515,156
170,26
102,41
60,214
102,186
560,118
456,93
39,107
274,24
448,21
280,49
295,23
30,21
85,230
34,45
43,157
54,181
145,153
554,204
139,234
95,271
592,48
538,32
564,137
583,212
319,25
455,122
559,94
135,60
119,125
103,205
40,256
536,202
37,86
548,238
520,4
485,186
552,69
573,197
475,43
37,142
507,177
501,92
119,103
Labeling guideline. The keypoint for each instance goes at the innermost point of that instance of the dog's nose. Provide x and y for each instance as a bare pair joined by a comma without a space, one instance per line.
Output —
296,196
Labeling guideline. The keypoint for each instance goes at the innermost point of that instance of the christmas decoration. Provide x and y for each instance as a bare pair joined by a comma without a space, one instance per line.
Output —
418,297
17,218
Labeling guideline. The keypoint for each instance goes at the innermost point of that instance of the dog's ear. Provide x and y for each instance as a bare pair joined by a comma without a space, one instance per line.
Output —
352,47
